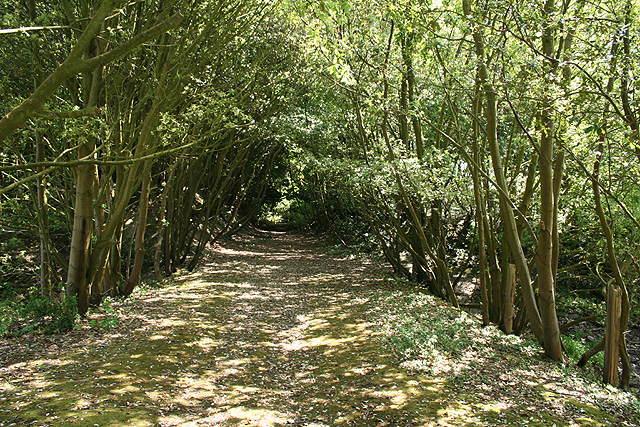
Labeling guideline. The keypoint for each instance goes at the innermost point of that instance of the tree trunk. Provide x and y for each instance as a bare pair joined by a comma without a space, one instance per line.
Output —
480,212
43,224
81,234
78,282
411,84
545,250
630,116
162,223
41,183
143,209
509,222
612,335
544,256
620,286
509,295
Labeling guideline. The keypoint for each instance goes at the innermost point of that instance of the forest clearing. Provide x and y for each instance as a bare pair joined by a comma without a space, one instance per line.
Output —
275,331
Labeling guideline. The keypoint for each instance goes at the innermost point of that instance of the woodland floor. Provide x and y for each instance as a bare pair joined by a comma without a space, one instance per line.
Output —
275,331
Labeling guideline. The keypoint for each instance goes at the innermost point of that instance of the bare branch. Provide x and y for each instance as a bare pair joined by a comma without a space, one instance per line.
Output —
27,29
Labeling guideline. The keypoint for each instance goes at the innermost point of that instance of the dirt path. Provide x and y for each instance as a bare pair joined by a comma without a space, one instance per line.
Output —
271,332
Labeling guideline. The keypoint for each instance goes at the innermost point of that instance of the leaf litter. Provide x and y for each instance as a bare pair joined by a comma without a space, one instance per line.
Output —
276,331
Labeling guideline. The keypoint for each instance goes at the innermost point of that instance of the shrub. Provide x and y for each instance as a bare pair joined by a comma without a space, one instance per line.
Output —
38,314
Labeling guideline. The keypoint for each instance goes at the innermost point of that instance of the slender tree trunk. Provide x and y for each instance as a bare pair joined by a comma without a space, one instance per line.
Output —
630,115
78,283
81,233
144,145
143,209
509,296
402,115
621,307
545,252
162,223
411,89
557,182
169,234
495,271
441,266
548,204
41,183
43,223
480,213
98,290
621,315
529,188
113,273
509,222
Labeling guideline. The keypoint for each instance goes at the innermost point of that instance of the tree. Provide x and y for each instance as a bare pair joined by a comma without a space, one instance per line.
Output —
510,108
121,105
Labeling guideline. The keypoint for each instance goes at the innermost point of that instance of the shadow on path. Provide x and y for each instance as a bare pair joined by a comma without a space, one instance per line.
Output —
272,331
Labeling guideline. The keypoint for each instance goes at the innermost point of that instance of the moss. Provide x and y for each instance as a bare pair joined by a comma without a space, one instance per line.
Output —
596,416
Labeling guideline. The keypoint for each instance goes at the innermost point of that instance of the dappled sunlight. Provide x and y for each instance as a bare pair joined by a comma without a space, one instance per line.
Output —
233,345
124,390
247,416
266,335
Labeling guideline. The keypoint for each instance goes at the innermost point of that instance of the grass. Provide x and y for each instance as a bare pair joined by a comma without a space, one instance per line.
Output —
575,345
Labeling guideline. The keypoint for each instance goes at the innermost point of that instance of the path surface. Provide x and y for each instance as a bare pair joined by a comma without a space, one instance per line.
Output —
272,331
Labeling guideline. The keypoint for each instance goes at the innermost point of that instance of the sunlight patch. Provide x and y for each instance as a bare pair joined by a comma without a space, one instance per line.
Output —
124,390
157,337
6,386
245,416
206,343
171,322
397,397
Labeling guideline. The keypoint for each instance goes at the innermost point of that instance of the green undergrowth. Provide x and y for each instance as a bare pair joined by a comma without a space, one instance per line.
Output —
107,316
288,214
576,345
583,306
32,313
505,377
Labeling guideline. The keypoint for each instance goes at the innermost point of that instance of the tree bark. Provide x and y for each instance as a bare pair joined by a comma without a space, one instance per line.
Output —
43,223
143,209
81,233
480,213
162,222
612,335
509,295
620,286
630,116
545,249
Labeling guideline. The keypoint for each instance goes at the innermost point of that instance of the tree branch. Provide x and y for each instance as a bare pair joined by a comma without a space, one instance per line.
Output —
74,64
27,29
71,114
